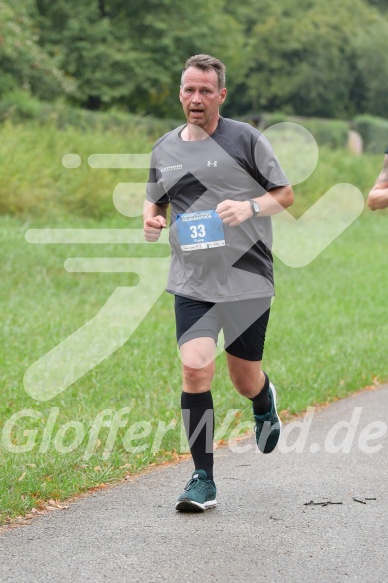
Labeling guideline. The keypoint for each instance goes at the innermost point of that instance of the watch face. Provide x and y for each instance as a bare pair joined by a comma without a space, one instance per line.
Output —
255,207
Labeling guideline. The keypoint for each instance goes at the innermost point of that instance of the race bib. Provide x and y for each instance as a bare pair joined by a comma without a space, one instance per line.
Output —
200,230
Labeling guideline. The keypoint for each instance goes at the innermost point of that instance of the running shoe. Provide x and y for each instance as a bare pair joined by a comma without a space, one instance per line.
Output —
268,426
199,494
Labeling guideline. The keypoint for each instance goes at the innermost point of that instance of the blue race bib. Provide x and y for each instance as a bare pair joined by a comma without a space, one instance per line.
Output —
200,230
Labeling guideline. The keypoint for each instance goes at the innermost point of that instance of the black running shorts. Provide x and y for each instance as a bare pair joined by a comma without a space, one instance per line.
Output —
244,324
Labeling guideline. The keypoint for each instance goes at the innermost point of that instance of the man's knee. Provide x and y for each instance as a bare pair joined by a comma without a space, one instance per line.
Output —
197,375
198,353
245,386
246,376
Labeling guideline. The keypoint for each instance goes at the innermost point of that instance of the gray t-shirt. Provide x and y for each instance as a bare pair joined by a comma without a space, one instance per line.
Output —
223,263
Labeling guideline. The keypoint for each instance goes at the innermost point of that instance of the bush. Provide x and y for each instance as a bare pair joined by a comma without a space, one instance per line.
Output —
374,132
328,132
332,133
19,106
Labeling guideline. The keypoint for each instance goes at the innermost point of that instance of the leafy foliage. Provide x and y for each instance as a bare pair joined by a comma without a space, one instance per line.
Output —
374,132
311,58
371,46
24,63
302,59
132,53
332,133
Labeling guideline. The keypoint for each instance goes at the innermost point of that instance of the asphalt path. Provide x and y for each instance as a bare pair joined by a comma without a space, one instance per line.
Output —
316,509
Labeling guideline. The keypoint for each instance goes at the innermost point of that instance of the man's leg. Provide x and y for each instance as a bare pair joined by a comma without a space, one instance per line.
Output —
196,335
197,401
245,329
250,381
245,376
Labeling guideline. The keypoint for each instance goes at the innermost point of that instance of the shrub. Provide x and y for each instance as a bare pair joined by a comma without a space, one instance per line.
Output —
327,132
19,106
374,132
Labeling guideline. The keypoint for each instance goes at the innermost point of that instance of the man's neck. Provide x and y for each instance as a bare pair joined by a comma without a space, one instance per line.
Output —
194,133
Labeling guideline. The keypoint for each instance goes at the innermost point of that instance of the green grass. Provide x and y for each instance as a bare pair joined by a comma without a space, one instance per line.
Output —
327,335
35,184
329,319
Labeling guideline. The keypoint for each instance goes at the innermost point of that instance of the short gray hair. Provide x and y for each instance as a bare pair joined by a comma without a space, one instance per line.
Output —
207,63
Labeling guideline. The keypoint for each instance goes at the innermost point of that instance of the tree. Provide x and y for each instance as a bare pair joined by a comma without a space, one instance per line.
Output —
302,59
88,52
380,4
371,47
23,62
312,58
132,54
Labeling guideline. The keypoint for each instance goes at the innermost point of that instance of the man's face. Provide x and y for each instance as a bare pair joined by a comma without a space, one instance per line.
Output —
201,98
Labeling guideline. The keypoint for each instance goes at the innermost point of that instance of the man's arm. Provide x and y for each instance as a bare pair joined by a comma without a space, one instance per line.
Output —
276,200
378,196
234,212
154,220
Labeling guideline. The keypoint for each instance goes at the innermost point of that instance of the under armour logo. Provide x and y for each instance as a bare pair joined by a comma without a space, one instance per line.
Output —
212,163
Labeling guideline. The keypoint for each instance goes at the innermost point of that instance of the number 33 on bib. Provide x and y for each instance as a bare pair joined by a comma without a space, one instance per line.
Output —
200,230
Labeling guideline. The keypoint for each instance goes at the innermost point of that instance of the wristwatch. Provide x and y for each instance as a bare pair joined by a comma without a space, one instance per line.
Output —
255,208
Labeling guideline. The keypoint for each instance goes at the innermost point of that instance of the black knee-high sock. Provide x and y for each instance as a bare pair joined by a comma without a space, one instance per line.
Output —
198,417
262,403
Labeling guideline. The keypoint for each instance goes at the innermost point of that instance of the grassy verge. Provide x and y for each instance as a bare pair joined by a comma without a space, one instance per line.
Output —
327,335
34,183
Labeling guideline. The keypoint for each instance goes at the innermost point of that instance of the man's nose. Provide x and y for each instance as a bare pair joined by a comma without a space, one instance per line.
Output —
196,98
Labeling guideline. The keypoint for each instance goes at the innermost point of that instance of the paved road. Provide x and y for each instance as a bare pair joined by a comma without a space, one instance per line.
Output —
263,529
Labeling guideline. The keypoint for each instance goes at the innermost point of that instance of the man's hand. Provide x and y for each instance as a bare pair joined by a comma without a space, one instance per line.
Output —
378,196
153,228
234,212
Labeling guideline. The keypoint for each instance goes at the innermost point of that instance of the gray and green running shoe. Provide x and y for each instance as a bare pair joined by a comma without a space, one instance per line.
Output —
199,494
268,426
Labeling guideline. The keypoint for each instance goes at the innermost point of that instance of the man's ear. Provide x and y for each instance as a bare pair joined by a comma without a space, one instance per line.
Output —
223,93
180,94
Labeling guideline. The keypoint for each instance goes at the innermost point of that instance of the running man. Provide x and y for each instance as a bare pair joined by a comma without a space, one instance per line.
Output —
222,183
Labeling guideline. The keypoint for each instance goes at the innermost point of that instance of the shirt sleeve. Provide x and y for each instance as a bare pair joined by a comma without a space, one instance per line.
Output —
155,191
269,172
